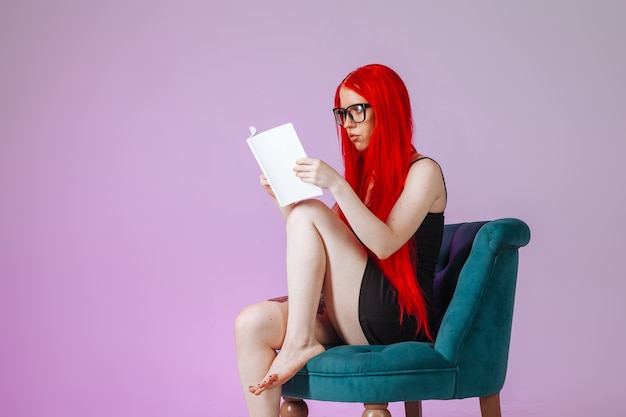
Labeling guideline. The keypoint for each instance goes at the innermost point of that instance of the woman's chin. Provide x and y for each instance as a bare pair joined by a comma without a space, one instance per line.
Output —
360,146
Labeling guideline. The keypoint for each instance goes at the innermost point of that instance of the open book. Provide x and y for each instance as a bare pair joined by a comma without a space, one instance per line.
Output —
276,151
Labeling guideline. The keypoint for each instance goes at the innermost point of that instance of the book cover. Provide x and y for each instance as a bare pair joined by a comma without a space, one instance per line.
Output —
276,151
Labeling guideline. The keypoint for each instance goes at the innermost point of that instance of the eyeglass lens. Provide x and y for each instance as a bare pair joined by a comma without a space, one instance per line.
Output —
356,112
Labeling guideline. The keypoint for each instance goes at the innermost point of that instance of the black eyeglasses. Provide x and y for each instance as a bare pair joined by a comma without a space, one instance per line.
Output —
356,112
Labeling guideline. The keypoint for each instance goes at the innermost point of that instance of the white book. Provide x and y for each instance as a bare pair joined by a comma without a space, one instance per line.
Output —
276,151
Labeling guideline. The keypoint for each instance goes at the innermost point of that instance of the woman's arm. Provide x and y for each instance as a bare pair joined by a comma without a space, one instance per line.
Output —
423,190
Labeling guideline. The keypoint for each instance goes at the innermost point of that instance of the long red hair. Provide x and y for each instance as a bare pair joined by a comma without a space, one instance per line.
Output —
382,169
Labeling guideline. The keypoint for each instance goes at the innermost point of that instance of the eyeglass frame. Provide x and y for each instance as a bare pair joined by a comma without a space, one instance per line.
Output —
340,111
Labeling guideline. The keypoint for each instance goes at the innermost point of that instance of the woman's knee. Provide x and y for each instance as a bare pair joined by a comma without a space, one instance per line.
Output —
307,211
260,322
249,320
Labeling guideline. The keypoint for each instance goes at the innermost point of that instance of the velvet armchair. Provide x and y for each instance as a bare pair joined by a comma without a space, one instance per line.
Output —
474,291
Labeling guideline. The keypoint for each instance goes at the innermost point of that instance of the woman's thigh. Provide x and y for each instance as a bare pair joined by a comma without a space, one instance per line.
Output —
345,263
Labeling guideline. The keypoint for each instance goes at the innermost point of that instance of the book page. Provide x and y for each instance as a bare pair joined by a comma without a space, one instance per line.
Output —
276,151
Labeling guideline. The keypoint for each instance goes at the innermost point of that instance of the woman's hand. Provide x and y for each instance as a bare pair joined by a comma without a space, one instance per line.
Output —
265,184
317,172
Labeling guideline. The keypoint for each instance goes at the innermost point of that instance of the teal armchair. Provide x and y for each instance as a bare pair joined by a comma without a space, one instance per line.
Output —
474,291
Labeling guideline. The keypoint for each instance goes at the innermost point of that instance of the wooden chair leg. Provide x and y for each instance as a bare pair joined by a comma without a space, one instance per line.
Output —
293,407
376,410
490,406
413,408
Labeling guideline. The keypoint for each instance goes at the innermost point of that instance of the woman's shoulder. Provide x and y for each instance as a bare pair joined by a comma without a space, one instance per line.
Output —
425,170
423,160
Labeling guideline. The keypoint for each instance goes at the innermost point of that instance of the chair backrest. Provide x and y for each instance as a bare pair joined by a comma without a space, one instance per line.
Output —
455,248
475,330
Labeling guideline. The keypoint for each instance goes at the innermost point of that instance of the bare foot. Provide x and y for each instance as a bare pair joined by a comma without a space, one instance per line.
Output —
287,363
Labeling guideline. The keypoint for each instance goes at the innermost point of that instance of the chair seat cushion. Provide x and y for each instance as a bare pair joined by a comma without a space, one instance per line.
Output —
361,373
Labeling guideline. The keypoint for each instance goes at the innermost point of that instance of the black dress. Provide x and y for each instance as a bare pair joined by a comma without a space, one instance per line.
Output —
379,312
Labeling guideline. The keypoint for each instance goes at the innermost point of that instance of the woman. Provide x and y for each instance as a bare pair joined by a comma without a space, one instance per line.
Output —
372,256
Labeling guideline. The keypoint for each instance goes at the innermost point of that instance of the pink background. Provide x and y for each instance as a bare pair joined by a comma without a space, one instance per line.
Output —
133,229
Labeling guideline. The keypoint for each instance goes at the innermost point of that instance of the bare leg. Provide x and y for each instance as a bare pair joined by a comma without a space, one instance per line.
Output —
259,332
321,253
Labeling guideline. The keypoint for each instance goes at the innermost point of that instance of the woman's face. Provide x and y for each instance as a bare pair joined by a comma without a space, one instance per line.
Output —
358,133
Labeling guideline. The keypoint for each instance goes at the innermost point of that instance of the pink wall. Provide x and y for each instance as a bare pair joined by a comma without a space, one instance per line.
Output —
132,228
